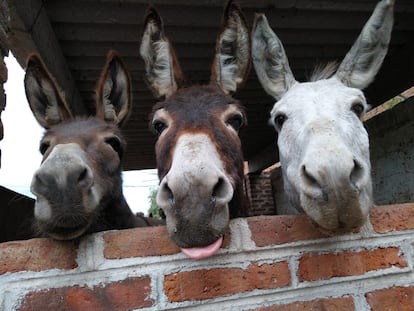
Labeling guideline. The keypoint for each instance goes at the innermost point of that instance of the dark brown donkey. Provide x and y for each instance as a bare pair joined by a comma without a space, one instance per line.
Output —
78,185
198,151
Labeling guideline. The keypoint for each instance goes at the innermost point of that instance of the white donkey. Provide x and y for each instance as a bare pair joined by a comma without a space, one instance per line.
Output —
323,145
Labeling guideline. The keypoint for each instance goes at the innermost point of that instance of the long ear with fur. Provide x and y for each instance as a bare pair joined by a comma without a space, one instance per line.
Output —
232,57
365,58
269,59
45,101
113,93
163,73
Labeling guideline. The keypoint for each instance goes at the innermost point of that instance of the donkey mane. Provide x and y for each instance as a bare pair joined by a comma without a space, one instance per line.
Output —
323,71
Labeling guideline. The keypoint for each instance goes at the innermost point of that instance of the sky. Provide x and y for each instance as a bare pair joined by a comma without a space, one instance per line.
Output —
20,146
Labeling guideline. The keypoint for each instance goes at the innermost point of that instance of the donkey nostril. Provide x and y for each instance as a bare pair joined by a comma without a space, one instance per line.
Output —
40,183
166,194
222,192
356,173
218,188
82,175
308,178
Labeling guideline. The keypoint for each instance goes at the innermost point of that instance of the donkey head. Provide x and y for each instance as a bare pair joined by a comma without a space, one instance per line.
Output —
323,146
198,151
78,185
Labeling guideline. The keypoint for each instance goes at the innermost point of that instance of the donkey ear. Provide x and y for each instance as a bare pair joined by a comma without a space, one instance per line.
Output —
44,99
269,59
365,58
232,57
113,93
163,73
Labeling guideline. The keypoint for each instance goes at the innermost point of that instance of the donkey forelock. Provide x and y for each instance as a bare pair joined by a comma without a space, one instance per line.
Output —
323,71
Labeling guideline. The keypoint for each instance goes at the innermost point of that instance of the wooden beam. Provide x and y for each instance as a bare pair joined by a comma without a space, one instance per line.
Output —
28,30
3,79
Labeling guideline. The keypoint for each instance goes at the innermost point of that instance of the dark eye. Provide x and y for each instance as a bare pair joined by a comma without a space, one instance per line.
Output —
279,120
43,147
235,122
159,126
116,144
358,108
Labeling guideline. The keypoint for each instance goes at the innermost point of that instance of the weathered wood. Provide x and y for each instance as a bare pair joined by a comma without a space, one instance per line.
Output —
29,31
314,31
3,79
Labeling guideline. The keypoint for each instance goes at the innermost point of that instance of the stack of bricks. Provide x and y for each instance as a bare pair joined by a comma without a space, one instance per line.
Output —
260,194
266,263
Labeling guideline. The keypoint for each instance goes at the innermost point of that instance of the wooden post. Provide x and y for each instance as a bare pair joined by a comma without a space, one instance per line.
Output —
3,79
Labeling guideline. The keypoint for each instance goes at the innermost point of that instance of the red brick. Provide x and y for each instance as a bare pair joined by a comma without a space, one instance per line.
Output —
128,294
142,242
327,304
314,266
37,255
139,242
205,284
271,230
396,298
388,218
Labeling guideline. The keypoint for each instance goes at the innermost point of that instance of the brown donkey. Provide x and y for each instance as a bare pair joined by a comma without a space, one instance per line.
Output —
198,151
79,185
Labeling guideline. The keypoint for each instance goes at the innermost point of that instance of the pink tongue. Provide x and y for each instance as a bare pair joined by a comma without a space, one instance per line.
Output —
203,252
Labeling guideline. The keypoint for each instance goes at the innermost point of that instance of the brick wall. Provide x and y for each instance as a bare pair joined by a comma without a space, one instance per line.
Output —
266,263
259,194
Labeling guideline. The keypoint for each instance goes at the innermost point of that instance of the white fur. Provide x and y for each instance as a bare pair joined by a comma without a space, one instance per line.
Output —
323,146
158,62
325,136
121,83
231,74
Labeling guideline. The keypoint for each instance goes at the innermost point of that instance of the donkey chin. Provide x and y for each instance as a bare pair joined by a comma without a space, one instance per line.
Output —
197,228
69,223
338,213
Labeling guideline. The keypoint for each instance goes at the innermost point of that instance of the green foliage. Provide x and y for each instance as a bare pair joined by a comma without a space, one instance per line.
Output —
154,210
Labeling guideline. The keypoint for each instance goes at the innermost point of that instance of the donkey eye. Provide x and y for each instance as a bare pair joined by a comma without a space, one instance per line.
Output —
279,120
159,126
43,147
116,144
358,108
236,122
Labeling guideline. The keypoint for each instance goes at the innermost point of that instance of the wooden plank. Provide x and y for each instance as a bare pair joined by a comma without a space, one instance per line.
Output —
319,5
193,35
133,14
389,104
29,31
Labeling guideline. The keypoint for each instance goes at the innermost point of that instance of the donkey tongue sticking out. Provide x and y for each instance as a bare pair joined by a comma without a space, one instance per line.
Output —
198,151
323,145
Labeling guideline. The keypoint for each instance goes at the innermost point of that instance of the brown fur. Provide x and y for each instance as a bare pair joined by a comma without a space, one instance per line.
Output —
197,109
69,209
197,214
